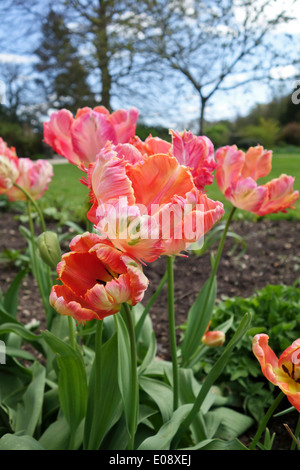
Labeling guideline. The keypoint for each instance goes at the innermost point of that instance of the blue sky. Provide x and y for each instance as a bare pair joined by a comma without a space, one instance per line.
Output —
222,106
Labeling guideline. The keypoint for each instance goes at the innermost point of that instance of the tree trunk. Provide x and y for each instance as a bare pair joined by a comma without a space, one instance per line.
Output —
201,118
102,47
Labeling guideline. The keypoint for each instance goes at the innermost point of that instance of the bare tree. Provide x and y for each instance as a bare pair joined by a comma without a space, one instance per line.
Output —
216,45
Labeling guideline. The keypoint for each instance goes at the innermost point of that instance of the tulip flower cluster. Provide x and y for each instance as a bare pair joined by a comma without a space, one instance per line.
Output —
19,176
147,200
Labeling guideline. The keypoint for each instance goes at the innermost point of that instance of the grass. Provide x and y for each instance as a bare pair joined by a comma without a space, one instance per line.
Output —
65,189
66,193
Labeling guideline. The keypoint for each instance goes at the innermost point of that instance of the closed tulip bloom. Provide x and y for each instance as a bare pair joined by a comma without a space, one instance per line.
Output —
80,138
284,371
96,279
237,174
213,338
33,176
148,206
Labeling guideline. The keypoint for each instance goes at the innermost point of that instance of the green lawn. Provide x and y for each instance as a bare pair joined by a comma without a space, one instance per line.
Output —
65,187
66,190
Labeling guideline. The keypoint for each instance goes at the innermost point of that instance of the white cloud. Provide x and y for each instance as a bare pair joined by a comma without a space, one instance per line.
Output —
283,72
15,58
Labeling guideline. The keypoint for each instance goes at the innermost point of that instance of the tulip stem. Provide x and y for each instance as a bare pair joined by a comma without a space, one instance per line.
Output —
35,267
265,420
221,244
71,332
214,271
30,198
142,318
134,377
172,330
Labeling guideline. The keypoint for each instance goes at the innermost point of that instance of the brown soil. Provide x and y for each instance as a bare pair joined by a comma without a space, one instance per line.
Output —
272,256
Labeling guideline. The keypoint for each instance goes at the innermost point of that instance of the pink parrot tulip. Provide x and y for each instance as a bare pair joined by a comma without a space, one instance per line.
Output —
80,138
237,174
147,206
33,176
96,279
284,371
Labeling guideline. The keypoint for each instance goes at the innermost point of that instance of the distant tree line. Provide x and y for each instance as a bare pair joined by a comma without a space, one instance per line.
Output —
276,123
153,54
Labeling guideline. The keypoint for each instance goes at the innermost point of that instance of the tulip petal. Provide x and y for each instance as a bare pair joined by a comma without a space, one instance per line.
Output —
230,162
246,194
64,302
57,134
266,357
90,132
162,176
279,195
197,153
124,123
258,163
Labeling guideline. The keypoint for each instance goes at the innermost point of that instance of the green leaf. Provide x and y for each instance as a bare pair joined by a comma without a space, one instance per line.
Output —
150,355
125,370
225,423
19,330
218,444
105,409
6,317
198,318
214,374
57,435
28,412
10,301
72,381
15,442
161,394
162,440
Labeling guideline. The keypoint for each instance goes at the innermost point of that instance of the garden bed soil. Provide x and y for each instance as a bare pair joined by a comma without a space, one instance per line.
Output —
272,256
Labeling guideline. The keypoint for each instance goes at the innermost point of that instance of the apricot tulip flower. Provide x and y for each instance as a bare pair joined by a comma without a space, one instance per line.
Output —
33,176
194,152
79,139
283,372
147,206
96,279
237,174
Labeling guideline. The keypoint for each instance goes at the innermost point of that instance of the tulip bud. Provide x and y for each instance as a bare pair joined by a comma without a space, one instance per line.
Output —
49,248
213,338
